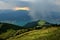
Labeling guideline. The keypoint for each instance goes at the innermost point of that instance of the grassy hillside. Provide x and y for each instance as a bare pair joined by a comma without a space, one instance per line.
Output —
8,30
52,33
38,30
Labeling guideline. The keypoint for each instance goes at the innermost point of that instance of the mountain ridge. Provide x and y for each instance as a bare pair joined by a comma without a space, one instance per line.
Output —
11,31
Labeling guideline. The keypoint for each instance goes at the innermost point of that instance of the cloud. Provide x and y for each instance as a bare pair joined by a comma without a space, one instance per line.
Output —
25,0
9,4
57,2
28,0
4,5
43,9
39,8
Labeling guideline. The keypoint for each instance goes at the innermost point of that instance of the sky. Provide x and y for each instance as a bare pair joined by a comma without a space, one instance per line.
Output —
9,4
32,4
37,7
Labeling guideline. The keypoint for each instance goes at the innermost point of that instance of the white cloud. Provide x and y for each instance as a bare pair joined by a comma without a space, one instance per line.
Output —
39,8
9,4
25,0
4,5
43,8
28,0
57,2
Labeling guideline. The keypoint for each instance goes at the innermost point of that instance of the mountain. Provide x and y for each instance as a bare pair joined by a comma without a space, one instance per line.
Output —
52,33
8,30
31,24
5,26
36,23
21,17
14,32
10,16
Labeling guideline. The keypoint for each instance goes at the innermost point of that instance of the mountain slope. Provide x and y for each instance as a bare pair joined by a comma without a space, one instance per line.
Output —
11,15
37,23
8,30
19,17
32,31
52,33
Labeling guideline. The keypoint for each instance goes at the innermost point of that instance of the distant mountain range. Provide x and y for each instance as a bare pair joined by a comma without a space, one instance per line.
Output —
18,17
10,15
21,17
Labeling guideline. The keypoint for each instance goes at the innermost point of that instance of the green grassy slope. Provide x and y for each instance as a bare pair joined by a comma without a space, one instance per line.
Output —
7,34
39,30
52,33
8,30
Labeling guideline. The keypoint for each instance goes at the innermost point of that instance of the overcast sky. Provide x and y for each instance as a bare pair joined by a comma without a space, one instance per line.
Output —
5,4
38,7
9,4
